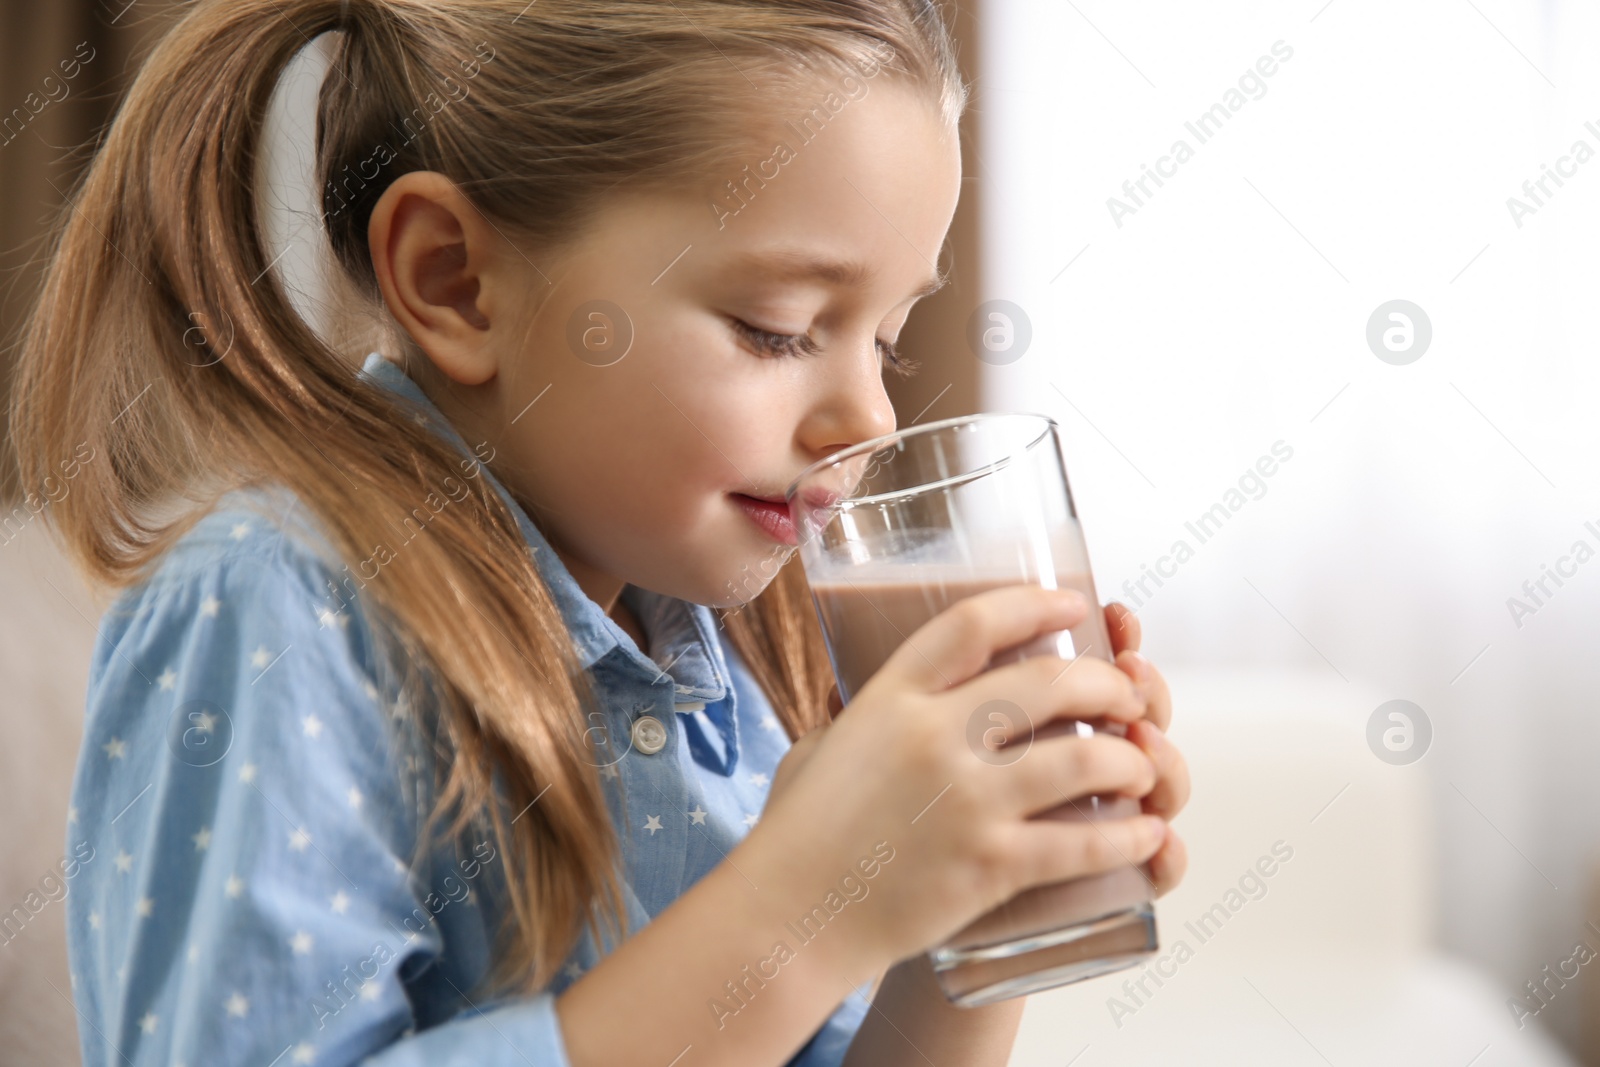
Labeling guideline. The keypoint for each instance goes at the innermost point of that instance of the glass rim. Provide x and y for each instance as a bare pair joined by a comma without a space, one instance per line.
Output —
920,429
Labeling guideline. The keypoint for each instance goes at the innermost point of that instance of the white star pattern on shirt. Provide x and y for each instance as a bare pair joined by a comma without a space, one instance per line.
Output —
369,689
609,770
193,953
370,991
115,748
353,797
205,722
653,823
751,820
299,840
202,840
209,606
247,773
340,902
328,618
143,907
148,1023
698,815
234,887
168,679
573,970
312,726
301,943
260,657
240,530
124,863
304,1053
238,1006
72,815
94,920
770,723
758,779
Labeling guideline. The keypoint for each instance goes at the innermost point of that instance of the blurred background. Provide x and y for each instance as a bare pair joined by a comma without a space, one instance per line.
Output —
1305,285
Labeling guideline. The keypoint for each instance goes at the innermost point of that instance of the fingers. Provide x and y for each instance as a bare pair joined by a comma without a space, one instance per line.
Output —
957,643
1054,851
1152,684
1055,770
1048,687
1171,790
1170,862
1123,627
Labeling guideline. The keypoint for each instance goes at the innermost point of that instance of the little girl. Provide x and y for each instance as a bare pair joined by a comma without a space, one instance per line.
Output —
461,703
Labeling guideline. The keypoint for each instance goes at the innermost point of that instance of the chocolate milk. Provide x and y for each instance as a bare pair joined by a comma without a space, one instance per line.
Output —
866,618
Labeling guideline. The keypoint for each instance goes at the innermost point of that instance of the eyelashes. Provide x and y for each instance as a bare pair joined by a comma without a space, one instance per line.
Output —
776,344
801,344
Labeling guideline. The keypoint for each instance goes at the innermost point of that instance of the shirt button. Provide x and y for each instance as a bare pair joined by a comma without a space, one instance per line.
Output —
649,736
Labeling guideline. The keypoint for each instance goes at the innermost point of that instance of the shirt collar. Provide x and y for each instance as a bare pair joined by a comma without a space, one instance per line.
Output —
682,635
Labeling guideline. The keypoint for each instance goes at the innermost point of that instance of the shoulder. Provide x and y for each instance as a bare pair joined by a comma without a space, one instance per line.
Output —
256,554
247,620
260,528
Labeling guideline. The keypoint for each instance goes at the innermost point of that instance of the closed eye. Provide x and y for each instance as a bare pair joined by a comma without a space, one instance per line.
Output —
802,344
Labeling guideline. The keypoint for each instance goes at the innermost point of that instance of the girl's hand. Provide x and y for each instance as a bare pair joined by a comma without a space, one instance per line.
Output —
899,772
802,748
1171,792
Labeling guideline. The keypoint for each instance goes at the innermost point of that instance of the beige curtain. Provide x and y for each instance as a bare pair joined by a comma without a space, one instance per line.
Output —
63,66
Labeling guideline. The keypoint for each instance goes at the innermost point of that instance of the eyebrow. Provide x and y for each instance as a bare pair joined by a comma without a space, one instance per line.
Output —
790,264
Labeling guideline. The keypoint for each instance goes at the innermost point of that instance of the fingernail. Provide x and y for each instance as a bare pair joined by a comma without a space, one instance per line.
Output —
1142,667
1072,597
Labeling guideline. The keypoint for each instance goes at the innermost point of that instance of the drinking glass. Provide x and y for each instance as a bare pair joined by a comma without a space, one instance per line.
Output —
893,531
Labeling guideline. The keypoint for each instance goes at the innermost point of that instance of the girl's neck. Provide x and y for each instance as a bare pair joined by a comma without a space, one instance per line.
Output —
606,591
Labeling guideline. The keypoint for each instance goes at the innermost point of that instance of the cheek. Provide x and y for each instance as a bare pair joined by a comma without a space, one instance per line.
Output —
648,446
635,439
714,414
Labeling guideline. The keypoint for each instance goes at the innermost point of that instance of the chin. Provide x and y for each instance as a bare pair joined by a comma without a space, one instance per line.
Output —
734,578
716,564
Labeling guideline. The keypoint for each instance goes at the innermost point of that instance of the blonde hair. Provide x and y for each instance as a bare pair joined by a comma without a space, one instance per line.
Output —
537,112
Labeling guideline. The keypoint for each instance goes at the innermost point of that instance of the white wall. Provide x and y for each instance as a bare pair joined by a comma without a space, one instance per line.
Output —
1229,312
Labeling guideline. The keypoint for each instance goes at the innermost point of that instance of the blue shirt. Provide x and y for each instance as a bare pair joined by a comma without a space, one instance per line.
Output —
248,797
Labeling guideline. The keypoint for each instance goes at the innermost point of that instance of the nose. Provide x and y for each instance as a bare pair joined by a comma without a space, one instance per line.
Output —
851,404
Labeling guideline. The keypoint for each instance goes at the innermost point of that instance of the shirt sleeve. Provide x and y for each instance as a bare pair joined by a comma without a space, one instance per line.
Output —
243,798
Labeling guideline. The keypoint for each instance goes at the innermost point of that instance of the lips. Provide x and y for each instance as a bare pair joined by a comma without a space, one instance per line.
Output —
772,516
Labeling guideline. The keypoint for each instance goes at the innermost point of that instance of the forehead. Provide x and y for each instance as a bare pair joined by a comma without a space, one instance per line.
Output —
788,263
870,191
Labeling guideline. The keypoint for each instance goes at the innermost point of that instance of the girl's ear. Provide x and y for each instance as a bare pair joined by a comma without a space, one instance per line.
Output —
436,257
